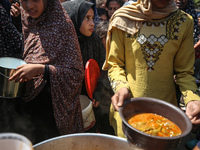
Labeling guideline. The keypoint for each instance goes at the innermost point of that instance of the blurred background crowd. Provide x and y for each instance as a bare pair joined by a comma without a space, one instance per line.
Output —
14,116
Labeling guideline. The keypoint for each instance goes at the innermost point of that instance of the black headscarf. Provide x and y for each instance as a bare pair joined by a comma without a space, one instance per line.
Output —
77,10
92,46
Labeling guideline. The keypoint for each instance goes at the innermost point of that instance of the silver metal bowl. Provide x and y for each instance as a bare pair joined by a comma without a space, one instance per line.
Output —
8,66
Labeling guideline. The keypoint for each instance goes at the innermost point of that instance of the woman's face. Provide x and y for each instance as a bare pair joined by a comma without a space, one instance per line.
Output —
181,4
160,3
33,7
87,25
112,7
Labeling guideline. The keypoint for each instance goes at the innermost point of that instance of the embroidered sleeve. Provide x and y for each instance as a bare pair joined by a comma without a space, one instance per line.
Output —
191,95
184,65
118,84
116,61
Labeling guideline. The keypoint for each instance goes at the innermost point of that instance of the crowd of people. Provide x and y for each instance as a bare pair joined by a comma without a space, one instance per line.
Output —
144,48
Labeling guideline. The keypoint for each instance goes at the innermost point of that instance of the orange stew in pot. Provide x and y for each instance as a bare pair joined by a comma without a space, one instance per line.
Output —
154,124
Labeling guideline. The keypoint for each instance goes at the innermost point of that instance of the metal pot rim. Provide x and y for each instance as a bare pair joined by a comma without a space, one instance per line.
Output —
5,62
82,135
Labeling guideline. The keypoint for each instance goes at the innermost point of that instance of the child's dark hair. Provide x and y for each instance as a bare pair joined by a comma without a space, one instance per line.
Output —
120,2
102,29
101,11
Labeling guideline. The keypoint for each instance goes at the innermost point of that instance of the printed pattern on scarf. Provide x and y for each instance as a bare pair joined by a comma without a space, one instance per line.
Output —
116,83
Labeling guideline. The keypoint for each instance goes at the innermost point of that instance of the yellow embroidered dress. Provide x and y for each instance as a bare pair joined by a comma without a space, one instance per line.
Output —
145,62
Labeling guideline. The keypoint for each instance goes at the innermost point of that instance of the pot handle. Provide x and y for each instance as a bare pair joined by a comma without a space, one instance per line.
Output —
4,75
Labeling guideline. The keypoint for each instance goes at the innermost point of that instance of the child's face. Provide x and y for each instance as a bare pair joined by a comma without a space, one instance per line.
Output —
103,17
33,7
112,7
87,25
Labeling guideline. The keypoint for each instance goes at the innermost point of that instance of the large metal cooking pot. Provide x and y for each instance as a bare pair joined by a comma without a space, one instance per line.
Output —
86,141
8,66
156,106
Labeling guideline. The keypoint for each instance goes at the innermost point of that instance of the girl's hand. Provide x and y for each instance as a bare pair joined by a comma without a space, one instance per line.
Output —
119,97
27,72
15,10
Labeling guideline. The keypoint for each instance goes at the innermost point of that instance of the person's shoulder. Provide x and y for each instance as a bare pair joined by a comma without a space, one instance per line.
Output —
187,16
182,17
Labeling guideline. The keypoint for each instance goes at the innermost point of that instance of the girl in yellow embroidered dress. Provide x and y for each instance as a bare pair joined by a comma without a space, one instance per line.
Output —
144,49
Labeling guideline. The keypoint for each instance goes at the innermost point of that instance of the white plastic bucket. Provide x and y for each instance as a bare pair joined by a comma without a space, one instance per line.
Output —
87,112
13,141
